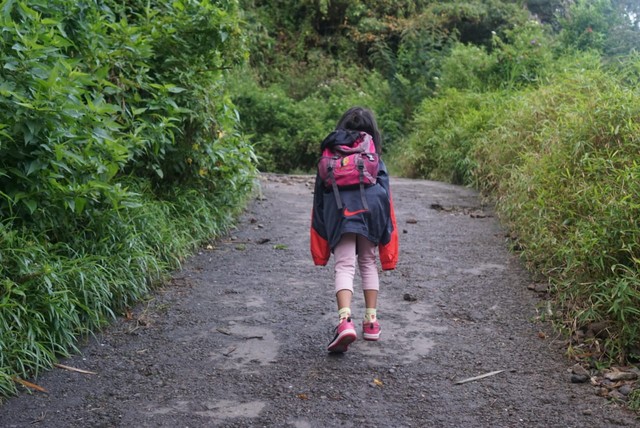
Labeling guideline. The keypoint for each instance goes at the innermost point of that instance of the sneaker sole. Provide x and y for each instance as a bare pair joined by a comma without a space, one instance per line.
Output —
342,341
370,336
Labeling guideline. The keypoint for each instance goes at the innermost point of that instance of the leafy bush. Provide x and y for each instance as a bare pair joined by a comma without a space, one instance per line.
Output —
523,57
120,150
467,67
442,136
112,112
560,160
587,24
609,27
563,165
287,132
61,145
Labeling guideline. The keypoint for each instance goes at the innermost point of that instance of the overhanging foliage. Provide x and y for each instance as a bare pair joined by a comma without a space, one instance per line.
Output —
120,151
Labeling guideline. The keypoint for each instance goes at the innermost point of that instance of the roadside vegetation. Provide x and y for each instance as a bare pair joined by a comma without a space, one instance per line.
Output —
547,126
120,152
130,132
534,103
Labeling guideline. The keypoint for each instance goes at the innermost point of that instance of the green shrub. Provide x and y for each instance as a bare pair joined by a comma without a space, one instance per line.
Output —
442,136
560,161
147,98
120,151
61,145
609,27
287,131
467,67
522,57
562,164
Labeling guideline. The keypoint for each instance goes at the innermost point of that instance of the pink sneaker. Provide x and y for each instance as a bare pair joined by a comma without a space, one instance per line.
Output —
371,330
345,335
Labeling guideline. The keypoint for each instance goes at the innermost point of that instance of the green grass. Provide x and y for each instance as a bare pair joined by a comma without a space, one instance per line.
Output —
571,196
120,152
560,160
53,294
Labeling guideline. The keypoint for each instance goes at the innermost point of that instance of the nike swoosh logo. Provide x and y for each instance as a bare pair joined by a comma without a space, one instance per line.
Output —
348,213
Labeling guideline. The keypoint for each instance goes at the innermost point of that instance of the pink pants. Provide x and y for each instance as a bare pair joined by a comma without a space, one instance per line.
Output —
345,262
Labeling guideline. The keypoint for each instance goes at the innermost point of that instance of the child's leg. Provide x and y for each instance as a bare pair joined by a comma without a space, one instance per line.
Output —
368,272
371,304
370,286
345,268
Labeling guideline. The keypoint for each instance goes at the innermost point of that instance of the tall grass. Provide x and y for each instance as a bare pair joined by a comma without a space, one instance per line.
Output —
55,293
570,192
120,151
439,146
561,162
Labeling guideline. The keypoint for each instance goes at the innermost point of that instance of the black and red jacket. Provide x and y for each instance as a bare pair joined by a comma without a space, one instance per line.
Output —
378,223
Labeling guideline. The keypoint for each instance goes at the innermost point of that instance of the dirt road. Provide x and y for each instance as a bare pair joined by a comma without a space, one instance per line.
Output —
238,339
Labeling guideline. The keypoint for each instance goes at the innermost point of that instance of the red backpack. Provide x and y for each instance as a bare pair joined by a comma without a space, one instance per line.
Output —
349,160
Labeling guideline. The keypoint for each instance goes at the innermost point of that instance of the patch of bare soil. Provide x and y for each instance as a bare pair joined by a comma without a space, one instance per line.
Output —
238,338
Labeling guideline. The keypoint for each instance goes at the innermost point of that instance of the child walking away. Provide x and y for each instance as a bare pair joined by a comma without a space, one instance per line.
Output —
353,217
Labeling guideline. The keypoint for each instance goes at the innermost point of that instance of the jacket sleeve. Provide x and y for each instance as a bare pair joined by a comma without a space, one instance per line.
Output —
390,251
319,245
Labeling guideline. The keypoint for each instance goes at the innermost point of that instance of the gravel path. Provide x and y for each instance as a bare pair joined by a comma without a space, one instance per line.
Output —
238,338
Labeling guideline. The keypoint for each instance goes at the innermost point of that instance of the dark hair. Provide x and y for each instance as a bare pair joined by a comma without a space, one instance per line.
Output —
361,119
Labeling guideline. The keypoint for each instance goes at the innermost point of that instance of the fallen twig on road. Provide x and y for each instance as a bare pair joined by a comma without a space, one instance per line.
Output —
73,369
29,384
482,376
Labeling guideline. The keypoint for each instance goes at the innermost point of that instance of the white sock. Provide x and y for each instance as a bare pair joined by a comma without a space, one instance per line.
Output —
344,313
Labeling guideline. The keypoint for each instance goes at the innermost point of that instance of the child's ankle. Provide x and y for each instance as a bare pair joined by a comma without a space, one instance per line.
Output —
370,315
344,313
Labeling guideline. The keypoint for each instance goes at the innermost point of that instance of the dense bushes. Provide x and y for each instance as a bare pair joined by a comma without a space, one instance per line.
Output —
541,126
566,182
482,93
120,150
472,84
559,157
287,131
320,58
609,26
442,136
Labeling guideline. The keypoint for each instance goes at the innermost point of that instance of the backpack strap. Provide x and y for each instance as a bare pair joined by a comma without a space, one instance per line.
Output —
362,195
336,192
